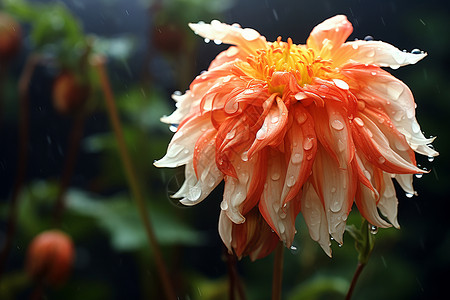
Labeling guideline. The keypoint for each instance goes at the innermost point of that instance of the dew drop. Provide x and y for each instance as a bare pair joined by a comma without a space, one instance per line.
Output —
416,51
308,143
341,84
261,134
194,193
275,176
337,124
274,119
370,53
223,205
373,229
291,181
301,118
230,134
281,227
355,46
409,195
381,160
294,249
244,177
173,128
296,158
358,121
373,73
415,127
419,175
177,93
430,158
244,156
207,40
368,38
333,189
217,42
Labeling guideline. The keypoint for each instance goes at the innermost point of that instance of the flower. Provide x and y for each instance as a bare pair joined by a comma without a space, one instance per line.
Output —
50,257
296,128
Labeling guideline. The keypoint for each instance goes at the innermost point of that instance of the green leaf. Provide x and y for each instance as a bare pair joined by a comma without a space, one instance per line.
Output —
320,287
119,217
364,240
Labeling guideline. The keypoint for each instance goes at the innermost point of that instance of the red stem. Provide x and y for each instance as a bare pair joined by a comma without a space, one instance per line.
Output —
358,271
22,159
277,281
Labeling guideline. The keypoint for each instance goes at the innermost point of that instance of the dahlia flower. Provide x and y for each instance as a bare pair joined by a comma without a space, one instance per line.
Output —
296,128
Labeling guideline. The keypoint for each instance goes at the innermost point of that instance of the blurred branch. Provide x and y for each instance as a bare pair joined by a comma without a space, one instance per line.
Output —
99,63
22,159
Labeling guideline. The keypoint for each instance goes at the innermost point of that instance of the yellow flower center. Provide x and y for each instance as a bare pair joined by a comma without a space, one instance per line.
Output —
303,63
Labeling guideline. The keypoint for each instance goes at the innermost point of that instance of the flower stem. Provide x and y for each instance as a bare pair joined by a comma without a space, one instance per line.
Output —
358,271
73,146
99,63
277,281
22,158
364,242
235,284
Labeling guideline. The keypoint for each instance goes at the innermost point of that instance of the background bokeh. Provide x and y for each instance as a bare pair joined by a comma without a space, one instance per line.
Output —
151,54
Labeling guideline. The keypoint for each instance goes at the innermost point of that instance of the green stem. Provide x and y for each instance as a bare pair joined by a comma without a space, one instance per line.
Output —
99,63
364,242
22,157
277,281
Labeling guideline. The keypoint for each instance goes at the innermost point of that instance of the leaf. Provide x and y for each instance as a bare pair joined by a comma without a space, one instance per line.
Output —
119,217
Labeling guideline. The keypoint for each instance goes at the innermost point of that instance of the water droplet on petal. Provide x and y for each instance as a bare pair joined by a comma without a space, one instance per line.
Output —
290,181
416,51
301,118
373,229
207,40
409,195
244,156
355,46
337,124
373,73
419,175
275,176
358,121
430,158
231,134
217,42
381,160
308,143
173,128
341,84
274,119
296,158
368,38
223,205
194,193
261,134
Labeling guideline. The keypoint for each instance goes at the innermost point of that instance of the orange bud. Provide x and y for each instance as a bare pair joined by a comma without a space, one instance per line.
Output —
10,37
50,257
69,93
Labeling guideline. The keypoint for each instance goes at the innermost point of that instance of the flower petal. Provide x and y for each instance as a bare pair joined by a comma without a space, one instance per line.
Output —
336,189
247,39
281,218
380,89
388,201
301,145
374,52
315,217
273,129
181,147
336,30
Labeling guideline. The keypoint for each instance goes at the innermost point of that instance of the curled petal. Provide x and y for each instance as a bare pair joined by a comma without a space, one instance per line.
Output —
281,218
375,52
336,189
273,128
301,142
315,217
181,147
367,198
247,39
388,201
336,30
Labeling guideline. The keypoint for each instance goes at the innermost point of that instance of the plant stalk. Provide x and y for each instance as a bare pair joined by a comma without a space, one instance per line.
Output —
22,157
277,281
99,63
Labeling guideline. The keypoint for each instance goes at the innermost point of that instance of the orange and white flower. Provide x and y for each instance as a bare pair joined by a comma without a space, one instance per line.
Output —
290,128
